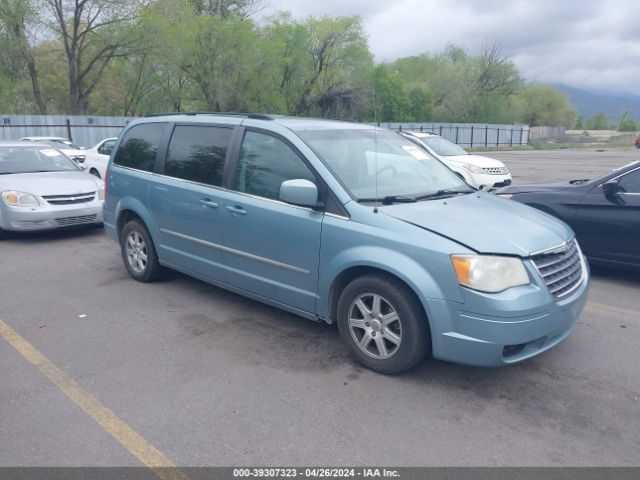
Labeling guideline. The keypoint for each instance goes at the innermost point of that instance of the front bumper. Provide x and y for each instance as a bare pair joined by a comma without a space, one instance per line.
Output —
500,329
488,182
50,217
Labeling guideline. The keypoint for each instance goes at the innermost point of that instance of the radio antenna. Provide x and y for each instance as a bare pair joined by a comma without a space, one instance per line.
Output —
375,145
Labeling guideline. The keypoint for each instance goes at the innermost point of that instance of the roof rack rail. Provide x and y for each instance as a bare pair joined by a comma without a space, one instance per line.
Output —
257,116
341,119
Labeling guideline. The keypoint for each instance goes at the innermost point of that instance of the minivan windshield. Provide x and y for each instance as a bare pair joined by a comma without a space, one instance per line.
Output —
377,164
31,160
443,147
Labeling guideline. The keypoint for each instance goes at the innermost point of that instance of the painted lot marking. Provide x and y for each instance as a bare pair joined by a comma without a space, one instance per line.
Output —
123,433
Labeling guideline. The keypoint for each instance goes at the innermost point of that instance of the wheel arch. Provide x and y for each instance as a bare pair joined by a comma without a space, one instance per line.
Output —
351,273
130,209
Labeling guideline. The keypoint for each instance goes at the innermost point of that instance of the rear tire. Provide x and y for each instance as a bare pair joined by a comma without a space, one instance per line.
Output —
383,324
138,252
3,234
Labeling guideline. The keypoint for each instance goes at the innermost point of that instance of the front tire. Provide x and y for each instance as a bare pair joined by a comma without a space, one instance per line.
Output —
383,324
138,252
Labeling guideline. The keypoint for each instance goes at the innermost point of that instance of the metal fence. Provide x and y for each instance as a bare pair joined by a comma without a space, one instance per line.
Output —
536,133
87,131
471,134
84,131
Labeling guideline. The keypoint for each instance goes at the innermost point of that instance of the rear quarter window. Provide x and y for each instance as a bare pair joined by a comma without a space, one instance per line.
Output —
139,147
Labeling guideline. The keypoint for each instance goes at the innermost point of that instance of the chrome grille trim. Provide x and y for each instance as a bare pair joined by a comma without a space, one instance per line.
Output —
561,268
70,199
68,221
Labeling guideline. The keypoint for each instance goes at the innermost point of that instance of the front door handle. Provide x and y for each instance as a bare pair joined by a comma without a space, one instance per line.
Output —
237,210
208,203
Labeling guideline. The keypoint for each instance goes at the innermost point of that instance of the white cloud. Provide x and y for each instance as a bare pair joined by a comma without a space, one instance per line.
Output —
583,43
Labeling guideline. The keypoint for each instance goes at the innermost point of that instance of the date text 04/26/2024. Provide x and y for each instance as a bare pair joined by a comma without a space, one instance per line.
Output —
315,473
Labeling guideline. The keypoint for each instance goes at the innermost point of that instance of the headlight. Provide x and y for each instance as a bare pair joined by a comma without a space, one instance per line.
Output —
474,169
488,273
20,199
101,192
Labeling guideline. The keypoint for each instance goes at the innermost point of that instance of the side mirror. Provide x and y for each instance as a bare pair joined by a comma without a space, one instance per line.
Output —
299,192
611,188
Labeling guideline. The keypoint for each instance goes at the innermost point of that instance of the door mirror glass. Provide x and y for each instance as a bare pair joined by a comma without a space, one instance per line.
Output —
299,192
610,188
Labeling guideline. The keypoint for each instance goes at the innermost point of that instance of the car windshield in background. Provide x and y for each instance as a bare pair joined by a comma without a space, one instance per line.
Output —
66,143
378,164
443,147
33,159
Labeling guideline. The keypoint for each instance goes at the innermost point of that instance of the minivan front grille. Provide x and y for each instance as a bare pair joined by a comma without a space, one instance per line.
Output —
561,269
69,199
68,221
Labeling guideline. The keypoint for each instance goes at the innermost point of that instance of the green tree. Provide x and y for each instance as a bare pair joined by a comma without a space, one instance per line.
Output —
598,122
626,123
421,104
17,18
93,33
392,104
540,104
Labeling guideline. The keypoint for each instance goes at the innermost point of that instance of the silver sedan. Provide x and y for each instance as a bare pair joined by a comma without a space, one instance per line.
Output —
42,189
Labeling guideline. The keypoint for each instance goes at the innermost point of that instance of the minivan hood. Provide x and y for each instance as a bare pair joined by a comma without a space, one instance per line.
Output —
485,223
50,183
477,160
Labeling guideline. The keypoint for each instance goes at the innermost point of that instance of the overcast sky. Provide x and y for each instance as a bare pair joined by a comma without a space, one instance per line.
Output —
587,44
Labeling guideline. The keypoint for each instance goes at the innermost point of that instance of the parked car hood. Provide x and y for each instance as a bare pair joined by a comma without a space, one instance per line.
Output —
485,223
539,187
50,183
477,160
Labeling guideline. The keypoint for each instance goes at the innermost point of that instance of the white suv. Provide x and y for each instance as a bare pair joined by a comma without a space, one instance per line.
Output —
98,157
478,171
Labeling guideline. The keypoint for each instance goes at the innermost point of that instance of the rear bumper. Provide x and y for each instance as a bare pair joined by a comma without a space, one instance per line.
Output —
503,337
63,216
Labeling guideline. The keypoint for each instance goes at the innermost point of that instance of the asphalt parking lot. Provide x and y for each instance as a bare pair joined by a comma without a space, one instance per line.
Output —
210,378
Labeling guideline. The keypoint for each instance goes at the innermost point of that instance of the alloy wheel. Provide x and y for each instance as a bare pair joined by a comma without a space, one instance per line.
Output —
136,252
375,325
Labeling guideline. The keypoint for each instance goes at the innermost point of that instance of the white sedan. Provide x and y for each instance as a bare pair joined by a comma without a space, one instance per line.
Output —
477,170
98,157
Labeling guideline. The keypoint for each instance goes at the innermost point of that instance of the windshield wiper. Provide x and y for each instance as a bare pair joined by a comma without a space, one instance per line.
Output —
443,193
389,199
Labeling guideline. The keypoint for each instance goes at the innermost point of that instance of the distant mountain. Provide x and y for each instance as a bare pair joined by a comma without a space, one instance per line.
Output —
589,103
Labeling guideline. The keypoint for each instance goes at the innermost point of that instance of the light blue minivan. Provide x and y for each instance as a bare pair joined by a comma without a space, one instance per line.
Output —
347,223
